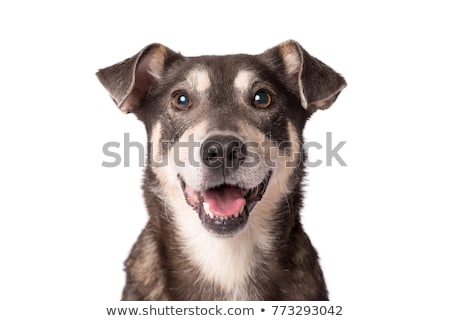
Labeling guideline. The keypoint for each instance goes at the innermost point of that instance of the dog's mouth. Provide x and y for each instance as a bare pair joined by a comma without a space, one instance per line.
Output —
224,209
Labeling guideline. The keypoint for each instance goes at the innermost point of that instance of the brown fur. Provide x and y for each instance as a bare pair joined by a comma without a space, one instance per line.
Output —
159,266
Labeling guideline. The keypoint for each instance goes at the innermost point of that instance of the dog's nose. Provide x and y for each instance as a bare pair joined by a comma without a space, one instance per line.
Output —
223,152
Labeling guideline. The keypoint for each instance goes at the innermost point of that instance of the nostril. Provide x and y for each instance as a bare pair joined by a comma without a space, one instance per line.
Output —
213,151
236,151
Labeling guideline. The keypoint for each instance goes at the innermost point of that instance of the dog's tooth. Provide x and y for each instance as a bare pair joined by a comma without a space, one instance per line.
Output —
242,210
207,211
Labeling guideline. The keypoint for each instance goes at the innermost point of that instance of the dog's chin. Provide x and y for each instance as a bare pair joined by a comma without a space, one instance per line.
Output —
224,209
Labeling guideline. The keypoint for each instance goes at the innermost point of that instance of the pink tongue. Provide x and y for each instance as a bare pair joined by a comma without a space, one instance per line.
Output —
224,201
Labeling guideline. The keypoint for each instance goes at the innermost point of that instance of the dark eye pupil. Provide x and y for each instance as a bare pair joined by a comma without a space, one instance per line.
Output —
262,99
182,100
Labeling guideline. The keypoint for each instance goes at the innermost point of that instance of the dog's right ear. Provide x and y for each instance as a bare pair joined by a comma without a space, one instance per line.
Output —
129,81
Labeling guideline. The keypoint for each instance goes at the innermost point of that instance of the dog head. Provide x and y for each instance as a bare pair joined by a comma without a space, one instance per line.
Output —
225,131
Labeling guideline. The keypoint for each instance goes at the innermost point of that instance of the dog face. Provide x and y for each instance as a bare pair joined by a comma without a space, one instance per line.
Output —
225,132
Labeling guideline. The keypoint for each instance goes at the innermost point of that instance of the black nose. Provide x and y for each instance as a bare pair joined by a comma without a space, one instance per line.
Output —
223,152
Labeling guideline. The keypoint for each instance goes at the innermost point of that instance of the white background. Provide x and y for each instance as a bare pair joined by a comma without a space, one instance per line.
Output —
380,224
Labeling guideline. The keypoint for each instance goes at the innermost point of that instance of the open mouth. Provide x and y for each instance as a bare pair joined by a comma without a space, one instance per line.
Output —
224,209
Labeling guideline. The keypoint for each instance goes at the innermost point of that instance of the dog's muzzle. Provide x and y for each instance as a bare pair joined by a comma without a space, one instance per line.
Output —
223,209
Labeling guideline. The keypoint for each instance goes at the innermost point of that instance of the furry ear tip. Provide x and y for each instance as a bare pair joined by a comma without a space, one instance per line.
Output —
343,83
289,45
289,42
100,74
156,47
124,109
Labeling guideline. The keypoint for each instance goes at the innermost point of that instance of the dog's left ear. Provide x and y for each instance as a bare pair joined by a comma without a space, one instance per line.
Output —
318,84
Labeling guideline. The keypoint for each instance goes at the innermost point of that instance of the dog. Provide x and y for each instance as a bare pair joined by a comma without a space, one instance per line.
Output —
223,181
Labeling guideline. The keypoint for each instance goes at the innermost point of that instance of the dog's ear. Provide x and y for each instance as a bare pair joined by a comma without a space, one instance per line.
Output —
129,81
318,84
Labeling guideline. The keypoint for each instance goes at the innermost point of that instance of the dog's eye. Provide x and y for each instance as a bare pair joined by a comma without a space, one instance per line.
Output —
262,99
181,101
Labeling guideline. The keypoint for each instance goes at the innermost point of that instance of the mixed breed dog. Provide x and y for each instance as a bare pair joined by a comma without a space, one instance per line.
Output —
224,210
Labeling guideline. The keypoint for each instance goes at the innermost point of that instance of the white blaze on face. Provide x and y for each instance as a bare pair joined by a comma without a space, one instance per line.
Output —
243,81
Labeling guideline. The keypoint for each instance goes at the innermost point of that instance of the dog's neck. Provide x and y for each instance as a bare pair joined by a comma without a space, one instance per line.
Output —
227,262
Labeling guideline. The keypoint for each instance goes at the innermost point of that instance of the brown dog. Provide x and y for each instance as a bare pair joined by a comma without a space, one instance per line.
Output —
224,174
